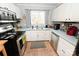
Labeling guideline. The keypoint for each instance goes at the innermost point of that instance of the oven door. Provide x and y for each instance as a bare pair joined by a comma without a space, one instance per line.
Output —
21,43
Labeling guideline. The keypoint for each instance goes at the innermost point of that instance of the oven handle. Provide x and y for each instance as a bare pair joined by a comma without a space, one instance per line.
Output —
11,36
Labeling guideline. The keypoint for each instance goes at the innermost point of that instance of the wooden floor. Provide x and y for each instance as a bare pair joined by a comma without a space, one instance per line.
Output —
48,51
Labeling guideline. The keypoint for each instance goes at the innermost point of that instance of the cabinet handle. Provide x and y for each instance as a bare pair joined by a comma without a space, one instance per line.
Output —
63,51
66,19
69,18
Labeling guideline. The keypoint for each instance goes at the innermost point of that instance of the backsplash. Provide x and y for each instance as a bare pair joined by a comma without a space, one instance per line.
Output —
77,25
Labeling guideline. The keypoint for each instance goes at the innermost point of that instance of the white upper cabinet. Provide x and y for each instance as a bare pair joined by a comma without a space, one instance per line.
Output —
66,12
75,11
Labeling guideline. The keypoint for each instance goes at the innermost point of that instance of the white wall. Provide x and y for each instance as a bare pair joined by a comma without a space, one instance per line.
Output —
12,7
26,22
25,13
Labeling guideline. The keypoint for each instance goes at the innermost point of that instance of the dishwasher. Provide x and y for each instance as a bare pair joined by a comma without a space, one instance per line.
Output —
54,40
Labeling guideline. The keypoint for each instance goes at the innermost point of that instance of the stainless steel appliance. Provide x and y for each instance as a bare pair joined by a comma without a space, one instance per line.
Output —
21,41
54,40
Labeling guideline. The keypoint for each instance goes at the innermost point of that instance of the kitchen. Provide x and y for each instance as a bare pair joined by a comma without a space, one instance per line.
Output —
39,29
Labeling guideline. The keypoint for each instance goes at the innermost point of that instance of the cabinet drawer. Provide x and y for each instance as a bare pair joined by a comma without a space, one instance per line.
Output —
65,48
64,52
68,46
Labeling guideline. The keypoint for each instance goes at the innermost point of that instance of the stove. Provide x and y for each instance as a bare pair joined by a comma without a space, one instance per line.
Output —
15,42
5,28
8,33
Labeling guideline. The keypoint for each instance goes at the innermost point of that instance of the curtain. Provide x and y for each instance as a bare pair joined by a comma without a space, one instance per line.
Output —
28,19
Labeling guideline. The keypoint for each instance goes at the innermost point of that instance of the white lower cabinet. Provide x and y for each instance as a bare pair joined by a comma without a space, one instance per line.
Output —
44,35
30,35
65,48
38,35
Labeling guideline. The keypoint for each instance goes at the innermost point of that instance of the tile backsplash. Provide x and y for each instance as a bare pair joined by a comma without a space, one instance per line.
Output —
64,26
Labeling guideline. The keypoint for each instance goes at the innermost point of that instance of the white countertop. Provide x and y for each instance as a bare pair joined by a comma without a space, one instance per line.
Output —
44,29
70,39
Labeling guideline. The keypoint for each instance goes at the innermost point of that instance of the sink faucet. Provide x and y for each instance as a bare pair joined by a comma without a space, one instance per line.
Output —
37,27
32,27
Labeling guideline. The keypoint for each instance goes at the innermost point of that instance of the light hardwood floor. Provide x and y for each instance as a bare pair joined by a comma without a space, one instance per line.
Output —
48,51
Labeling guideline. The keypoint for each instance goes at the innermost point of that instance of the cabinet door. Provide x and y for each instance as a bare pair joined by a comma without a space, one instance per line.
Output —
68,47
61,49
67,12
43,35
74,12
55,15
31,35
62,13
47,35
65,48
38,35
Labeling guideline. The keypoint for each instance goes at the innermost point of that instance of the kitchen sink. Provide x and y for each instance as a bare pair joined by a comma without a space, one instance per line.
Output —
39,29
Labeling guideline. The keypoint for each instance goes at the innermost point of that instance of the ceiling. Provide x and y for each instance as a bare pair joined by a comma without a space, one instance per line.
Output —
38,5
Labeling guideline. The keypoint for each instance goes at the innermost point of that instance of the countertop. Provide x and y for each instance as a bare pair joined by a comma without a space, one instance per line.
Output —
70,39
44,29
